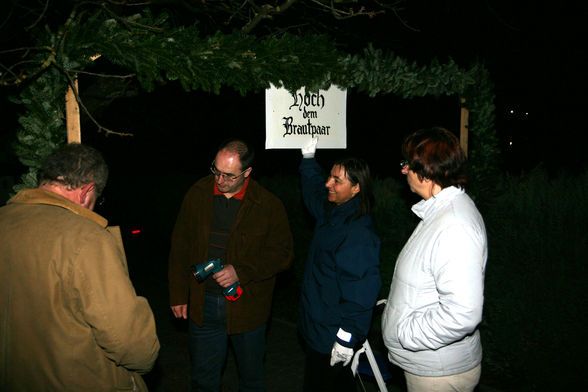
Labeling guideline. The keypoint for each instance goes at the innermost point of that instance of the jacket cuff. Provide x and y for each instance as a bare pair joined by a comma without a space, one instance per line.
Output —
345,338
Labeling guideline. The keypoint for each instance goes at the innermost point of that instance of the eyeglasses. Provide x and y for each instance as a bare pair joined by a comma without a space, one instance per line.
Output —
403,163
225,176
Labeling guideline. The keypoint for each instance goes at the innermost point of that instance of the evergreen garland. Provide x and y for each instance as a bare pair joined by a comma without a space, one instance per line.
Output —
156,54
43,127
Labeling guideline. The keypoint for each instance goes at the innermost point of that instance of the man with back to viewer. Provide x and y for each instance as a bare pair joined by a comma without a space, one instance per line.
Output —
69,316
228,216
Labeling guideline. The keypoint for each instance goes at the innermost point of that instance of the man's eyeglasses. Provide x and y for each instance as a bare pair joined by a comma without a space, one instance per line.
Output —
403,163
225,176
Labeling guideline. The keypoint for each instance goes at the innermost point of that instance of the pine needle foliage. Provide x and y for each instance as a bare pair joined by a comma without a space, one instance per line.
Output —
43,127
156,53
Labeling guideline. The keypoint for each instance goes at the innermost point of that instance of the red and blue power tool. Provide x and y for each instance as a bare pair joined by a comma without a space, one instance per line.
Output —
212,266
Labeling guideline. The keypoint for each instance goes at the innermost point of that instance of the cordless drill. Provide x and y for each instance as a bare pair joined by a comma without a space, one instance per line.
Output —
212,266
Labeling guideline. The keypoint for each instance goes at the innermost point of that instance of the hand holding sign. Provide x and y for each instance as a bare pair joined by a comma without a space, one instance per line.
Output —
309,149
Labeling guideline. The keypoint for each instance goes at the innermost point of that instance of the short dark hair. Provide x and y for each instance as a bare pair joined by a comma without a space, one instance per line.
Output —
357,171
435,153
241,148
74,165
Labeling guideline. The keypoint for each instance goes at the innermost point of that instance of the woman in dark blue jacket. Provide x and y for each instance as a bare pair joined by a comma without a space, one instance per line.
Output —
342,275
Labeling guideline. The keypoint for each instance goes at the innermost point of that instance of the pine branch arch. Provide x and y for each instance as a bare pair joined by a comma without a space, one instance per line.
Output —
143,45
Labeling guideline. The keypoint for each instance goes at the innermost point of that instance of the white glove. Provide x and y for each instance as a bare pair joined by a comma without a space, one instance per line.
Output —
341,354
309,149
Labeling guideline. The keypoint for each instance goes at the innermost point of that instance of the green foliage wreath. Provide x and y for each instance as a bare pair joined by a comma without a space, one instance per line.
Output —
143,45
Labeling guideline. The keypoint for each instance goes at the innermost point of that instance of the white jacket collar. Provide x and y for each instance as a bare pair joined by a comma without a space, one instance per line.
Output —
424,208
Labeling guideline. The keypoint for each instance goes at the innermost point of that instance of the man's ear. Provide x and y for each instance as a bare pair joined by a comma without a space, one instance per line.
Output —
247,172
85,191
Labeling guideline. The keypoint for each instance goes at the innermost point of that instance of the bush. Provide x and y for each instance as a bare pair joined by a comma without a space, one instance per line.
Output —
394,223
535,301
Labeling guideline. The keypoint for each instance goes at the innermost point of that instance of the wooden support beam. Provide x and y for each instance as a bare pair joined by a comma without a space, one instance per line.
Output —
463,127
72,115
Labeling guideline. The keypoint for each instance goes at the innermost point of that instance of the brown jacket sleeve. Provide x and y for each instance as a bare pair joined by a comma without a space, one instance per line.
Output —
122,322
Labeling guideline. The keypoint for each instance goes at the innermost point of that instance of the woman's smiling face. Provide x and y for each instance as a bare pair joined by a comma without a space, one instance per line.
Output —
340,188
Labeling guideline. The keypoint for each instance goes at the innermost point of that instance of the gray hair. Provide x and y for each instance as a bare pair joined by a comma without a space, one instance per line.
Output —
74,165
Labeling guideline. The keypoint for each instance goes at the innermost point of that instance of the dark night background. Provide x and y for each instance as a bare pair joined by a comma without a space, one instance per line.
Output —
535,52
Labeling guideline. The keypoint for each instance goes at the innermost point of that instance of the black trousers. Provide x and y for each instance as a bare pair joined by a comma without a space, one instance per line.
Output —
320,376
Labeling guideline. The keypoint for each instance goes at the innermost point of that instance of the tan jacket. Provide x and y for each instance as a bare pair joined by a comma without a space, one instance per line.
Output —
260,246
69,316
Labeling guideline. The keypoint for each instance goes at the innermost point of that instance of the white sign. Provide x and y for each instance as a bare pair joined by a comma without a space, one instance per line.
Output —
292,119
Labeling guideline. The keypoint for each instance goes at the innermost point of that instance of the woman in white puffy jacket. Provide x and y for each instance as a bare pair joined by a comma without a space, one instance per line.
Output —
430,323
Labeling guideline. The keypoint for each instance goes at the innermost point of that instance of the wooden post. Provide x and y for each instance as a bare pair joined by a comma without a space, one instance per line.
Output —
463,127
72,115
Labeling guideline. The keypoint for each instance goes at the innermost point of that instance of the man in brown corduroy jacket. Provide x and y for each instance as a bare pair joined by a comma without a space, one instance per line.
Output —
228,216
69,316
